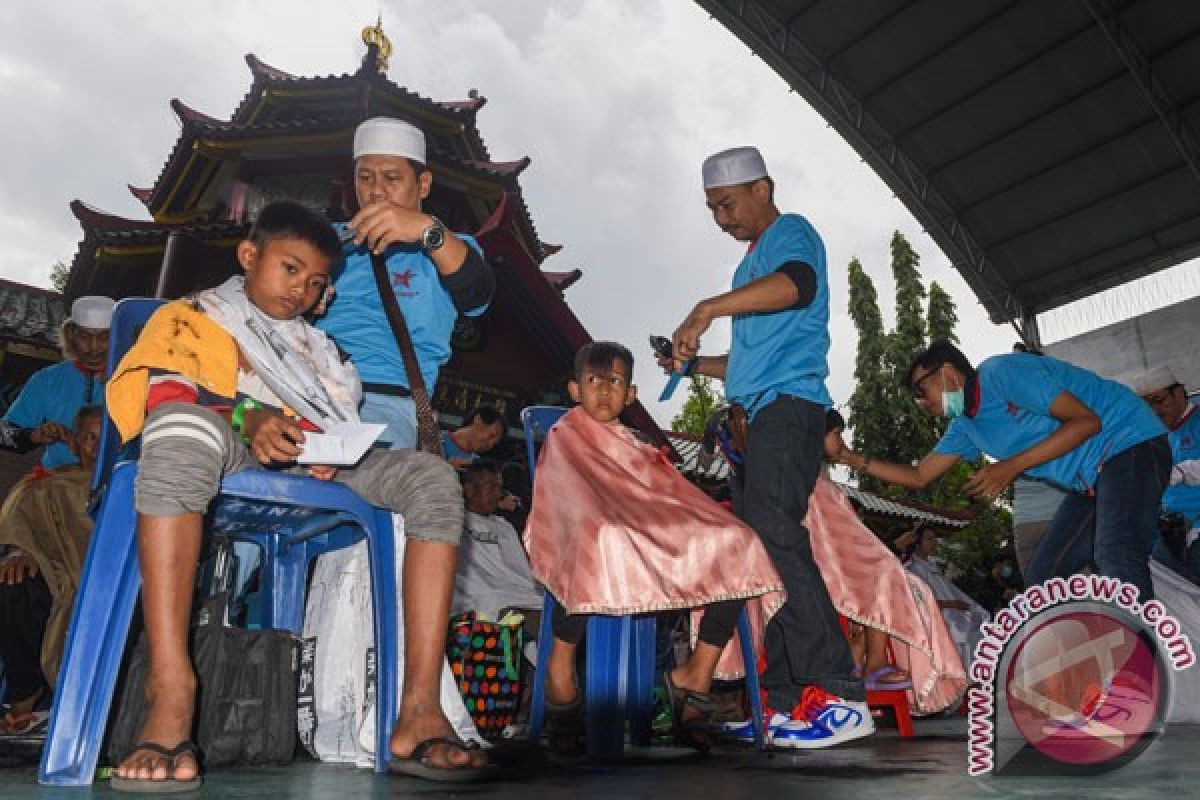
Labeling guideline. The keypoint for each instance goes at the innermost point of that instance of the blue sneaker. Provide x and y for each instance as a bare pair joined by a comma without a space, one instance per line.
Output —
743,730
822,720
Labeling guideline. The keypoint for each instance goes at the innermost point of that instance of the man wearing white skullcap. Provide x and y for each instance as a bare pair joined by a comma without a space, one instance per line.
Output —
46,407
436,275
776,370
1168,398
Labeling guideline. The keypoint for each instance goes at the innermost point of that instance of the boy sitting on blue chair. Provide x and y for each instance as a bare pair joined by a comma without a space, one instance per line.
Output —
230,379
615,529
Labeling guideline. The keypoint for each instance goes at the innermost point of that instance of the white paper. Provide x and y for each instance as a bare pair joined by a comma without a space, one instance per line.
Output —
341,445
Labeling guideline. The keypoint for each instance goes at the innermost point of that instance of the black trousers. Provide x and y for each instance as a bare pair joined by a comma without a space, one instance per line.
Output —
716,626
24,609
804,642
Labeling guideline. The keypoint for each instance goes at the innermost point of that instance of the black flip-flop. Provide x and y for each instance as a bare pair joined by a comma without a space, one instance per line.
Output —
416,764
169,786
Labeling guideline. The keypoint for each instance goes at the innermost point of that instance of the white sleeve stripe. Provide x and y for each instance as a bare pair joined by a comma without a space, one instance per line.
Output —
183,432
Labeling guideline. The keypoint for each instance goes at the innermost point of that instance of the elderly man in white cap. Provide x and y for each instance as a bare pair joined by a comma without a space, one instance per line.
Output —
43,412
436,275
1168,398
776,370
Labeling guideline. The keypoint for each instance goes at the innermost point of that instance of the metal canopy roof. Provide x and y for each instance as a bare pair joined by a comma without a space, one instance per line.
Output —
1049,146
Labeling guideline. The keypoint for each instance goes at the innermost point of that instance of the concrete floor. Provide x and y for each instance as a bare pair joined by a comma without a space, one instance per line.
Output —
932,765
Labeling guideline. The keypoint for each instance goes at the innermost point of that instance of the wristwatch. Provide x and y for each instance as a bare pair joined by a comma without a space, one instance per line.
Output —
434,236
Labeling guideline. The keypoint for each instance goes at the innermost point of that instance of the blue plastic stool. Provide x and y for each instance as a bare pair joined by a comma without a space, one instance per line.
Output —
619,671
292,518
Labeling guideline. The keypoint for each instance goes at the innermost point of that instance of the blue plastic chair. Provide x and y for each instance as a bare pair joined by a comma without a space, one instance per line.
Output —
292,518
619,671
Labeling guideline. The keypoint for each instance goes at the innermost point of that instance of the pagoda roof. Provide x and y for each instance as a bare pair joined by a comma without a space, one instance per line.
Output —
563,280
459,114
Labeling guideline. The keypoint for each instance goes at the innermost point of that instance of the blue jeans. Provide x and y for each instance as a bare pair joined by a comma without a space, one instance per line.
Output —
398,413
1115,529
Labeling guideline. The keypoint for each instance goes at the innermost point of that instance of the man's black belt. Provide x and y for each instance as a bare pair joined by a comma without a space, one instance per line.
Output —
392,389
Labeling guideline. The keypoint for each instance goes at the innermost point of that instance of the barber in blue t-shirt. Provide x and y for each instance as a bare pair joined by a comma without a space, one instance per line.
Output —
775,370
435,273
1049,421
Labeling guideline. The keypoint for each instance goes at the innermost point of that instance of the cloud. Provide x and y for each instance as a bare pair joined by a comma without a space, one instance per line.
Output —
616,101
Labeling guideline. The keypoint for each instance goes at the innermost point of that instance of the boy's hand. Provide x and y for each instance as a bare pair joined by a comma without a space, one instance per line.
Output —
322,472
380,225
50,432
273,437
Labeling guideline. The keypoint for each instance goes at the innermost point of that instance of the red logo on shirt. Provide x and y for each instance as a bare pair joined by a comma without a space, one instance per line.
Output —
402,279
1012,409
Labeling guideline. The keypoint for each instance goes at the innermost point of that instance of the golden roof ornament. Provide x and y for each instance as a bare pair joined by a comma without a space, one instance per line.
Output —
374,35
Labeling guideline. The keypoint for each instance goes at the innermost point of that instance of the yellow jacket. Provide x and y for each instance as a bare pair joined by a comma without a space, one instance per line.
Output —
177,338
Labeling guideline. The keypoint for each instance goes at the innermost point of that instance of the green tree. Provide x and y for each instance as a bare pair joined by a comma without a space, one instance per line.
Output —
60,273
702,401
912,431
868,405
942,316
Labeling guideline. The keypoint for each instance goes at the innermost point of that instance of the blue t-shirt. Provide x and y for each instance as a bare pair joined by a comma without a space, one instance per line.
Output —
451,450
357,322
55,394
782,352
1015,395
1185,446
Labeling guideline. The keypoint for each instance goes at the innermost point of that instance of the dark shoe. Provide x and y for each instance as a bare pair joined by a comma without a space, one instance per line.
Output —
566,731
694,730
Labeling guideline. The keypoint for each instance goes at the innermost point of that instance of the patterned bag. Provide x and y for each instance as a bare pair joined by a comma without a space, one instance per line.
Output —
485,658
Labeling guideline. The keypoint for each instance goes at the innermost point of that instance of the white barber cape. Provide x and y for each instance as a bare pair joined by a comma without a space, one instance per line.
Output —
493,569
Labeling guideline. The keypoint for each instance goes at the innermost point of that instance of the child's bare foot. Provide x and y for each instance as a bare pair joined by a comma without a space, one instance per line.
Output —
168,724
419,724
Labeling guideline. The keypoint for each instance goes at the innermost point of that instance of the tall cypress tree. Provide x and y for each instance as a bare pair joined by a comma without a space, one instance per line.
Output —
942,316
912,432
868,405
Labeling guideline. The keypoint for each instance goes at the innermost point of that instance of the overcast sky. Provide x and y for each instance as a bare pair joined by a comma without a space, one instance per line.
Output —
616,101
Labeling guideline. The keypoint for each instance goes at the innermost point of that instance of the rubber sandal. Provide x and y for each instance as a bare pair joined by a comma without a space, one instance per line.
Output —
566,729
696,732
25,724
168,786
416,764
876,683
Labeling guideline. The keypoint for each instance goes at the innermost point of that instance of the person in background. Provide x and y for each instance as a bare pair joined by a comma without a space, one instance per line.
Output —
481,431
45,527
493,569
1168,399
963,615
47,405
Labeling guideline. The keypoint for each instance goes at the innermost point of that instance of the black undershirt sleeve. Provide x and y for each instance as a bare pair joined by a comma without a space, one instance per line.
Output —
805,278
473,284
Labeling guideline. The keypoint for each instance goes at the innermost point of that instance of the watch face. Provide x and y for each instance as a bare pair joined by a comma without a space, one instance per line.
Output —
434,236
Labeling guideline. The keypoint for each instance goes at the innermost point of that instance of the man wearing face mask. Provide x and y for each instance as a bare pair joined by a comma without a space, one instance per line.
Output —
1047,420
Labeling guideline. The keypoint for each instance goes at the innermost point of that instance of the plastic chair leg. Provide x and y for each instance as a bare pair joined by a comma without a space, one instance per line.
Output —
282,584
607,678
99,626
537,714
640,700
381,550
752,687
